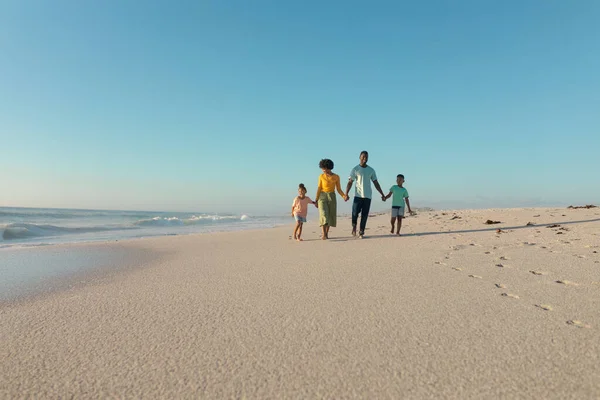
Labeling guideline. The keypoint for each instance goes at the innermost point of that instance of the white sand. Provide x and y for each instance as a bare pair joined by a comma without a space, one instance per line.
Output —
256,315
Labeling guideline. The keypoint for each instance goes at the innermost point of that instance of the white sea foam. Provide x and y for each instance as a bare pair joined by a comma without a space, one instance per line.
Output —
31,227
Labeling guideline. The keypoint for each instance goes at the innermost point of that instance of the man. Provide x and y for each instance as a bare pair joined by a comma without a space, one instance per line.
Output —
363,175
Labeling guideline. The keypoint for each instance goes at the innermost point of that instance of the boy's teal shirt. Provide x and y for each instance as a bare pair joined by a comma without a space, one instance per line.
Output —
399,194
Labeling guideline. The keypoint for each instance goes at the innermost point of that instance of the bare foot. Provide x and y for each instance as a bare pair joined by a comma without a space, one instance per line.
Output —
392,231
295,238
354,232
300,240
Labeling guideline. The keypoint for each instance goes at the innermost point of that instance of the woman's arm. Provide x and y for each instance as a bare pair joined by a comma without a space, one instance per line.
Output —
319,189
339,187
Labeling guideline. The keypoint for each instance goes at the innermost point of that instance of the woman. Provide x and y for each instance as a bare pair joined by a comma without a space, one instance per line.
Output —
328,184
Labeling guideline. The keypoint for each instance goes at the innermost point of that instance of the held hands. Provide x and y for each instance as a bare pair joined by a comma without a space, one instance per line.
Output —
346,197
383,198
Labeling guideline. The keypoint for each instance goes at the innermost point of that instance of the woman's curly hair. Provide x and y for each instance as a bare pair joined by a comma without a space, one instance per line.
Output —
326,163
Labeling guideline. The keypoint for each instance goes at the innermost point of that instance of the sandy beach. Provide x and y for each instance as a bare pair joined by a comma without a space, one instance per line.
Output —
454,308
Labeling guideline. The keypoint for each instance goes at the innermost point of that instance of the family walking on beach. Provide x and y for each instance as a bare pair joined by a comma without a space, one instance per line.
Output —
326,200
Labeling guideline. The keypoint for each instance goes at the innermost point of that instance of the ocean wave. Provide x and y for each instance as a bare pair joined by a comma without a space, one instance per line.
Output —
26,231
193,220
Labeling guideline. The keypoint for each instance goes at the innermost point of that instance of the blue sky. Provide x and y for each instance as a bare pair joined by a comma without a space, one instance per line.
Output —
228,105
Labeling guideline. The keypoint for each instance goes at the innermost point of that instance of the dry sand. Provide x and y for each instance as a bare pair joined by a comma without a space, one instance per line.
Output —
450,310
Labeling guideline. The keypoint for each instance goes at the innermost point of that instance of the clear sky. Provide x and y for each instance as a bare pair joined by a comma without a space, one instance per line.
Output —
228,105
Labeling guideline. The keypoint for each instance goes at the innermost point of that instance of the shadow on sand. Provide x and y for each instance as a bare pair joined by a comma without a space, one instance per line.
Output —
495,228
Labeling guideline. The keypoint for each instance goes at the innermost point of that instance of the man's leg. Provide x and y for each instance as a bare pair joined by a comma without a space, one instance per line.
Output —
356,206
364,215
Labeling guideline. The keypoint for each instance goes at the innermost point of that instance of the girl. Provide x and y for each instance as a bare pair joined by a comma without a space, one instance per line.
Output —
328,184
300,210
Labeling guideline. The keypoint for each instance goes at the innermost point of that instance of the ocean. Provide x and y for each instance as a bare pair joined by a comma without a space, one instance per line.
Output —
29,264
24,227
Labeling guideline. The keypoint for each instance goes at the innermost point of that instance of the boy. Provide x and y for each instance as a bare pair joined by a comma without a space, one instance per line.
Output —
400,196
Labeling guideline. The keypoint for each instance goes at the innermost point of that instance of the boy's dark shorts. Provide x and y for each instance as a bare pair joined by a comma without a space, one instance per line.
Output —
397,211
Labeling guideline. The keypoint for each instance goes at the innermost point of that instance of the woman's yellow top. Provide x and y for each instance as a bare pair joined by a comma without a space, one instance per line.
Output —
328,184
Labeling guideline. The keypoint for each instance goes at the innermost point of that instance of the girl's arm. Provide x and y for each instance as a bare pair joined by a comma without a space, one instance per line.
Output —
339,187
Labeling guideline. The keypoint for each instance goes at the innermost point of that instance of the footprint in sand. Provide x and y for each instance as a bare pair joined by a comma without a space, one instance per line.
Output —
538,272
440,263
503,258
577,323
457,268
475,276
500,265
500,285
565,282
544,307
512,296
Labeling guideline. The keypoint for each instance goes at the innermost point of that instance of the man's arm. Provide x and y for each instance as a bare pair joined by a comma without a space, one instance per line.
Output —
376,183
349,186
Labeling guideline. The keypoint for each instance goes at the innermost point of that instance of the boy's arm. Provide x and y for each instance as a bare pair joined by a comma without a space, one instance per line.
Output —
389,195
408,205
